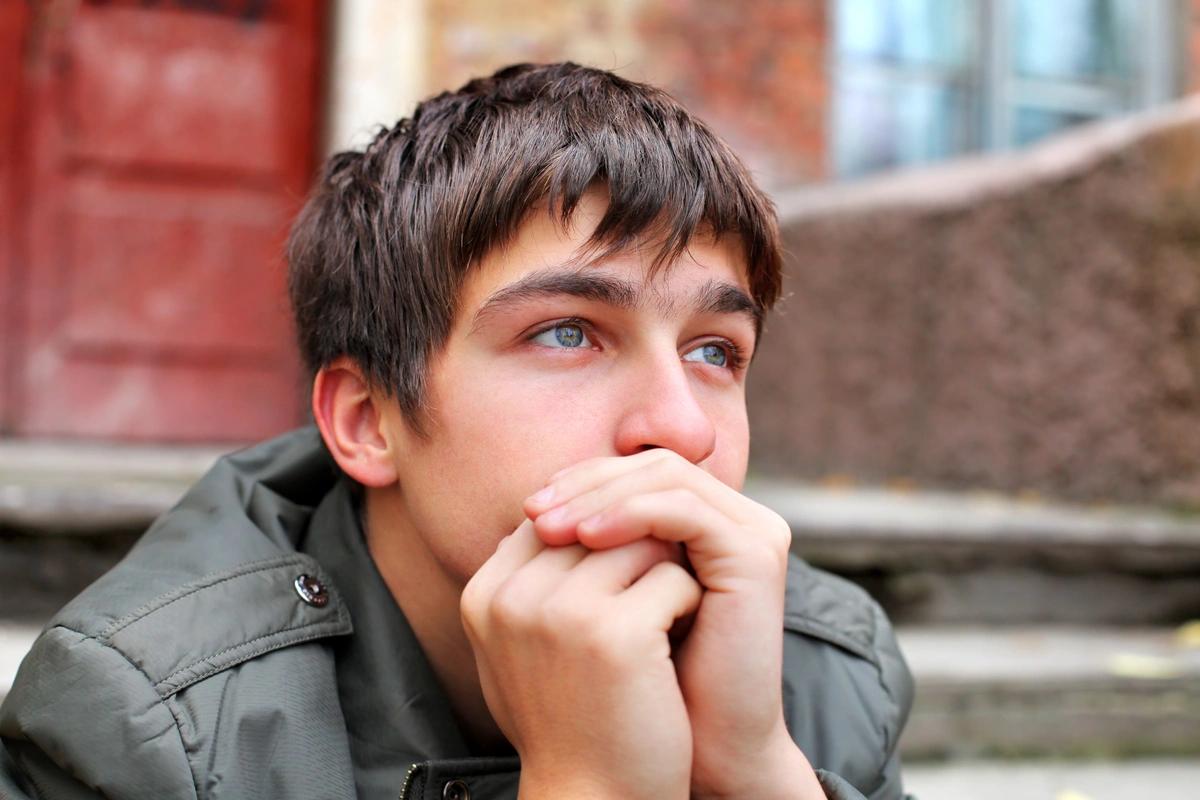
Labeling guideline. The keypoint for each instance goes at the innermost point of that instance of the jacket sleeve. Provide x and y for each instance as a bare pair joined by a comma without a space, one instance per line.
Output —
836,788
82,722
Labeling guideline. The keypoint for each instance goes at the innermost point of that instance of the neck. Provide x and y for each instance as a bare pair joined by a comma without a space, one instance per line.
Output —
429,597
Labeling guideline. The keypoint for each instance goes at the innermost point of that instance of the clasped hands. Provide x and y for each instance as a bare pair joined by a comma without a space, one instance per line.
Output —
571,619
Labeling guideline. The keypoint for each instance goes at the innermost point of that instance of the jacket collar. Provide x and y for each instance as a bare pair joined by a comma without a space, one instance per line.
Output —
396,713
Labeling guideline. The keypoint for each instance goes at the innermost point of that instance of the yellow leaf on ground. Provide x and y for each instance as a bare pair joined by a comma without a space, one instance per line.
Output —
838,480
1071,794
1188,634
1136,665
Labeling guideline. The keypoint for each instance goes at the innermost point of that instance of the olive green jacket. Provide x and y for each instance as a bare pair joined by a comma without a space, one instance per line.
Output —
205,666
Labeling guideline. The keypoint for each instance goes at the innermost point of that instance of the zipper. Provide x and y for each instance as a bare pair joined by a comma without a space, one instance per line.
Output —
409,783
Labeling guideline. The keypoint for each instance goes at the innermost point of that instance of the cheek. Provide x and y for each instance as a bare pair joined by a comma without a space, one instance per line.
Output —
541,420
489,449
730,458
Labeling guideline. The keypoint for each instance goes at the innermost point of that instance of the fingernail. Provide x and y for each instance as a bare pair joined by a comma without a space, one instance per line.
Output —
542,497
591,523
554,516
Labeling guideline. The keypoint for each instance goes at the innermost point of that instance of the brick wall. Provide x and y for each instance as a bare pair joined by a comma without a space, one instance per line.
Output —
755,71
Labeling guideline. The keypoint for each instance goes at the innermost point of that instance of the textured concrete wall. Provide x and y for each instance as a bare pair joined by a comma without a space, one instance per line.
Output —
1027,322
755,71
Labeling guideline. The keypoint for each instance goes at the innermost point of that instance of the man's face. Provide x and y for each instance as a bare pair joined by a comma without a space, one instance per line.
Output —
550,363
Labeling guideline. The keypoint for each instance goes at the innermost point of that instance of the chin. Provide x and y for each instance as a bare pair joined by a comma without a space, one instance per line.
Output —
476,551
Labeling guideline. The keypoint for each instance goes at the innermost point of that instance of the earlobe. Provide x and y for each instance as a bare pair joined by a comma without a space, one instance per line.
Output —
352,425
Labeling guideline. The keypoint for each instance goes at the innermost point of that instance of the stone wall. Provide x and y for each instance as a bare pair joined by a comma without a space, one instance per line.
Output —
1028,322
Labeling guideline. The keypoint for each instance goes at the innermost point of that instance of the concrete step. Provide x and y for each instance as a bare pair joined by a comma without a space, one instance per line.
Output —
859,528
976,557
70,510
15,641
1053,691
1159,779
83,488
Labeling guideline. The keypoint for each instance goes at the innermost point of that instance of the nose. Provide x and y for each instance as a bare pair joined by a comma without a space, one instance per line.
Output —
662,410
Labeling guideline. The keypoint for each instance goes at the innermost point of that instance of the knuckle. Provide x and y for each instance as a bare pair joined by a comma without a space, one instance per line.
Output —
768,559
543,624
508,608
470,620
625,507
573,615
600,645
471,604
683,496
651,550
780,532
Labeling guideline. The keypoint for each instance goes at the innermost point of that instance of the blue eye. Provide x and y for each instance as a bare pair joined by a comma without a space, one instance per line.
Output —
563,335
708,354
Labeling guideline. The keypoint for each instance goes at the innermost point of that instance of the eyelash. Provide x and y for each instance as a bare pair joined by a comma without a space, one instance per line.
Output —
735,355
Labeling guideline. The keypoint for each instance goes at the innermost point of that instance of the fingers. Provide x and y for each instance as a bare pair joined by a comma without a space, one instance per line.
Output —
664,594
609,572
673,515
531,583
524,579
586,475
725,555
513,550
593,486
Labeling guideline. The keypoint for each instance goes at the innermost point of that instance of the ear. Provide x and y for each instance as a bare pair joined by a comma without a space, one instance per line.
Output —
351,420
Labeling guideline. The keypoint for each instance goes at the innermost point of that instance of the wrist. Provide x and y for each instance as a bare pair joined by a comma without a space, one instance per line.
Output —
575,782
779,770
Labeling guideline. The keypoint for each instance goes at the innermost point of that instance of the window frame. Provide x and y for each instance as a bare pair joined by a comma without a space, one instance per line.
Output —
995,93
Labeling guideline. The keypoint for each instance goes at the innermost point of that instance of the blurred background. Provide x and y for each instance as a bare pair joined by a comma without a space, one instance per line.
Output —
980,398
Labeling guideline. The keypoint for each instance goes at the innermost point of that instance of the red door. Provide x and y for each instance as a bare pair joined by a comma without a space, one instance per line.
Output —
163,148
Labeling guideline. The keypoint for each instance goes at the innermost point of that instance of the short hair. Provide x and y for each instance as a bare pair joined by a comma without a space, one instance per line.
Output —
378,255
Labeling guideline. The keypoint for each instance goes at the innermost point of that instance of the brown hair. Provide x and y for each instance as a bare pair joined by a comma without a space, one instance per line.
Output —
379,253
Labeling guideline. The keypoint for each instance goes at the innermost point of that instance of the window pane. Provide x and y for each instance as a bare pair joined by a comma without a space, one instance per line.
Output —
882,124
1032,124
931,32
1066,39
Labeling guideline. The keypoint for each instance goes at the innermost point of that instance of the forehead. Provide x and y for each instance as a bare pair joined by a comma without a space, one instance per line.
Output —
543,247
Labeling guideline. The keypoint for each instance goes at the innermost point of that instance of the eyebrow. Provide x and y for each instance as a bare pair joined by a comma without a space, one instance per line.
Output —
714,297
717,297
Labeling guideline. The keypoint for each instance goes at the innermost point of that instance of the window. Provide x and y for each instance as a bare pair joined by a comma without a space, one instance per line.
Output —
922,80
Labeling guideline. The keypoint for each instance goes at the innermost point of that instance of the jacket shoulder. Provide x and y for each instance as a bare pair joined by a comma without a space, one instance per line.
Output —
212,586
250,507
81,721
95,709
847,688
833,609
214,621
212,582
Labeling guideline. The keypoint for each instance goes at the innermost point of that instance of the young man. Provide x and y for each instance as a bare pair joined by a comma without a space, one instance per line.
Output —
512,555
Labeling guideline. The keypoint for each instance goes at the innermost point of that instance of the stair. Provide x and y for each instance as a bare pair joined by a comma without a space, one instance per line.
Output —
1033,629
1031,691
943,558
15,641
